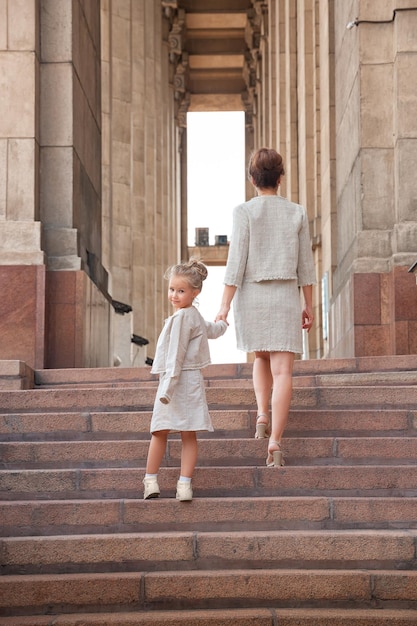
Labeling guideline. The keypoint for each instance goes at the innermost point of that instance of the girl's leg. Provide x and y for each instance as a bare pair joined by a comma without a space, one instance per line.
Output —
189,453
156,451
282,364
262,385
188,462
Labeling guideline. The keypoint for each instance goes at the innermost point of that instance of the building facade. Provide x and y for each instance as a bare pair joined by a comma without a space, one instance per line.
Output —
94,97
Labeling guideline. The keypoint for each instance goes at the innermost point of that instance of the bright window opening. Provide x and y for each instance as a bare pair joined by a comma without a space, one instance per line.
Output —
216,184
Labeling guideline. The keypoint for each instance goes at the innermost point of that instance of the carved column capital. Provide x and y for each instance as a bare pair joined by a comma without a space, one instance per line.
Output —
257,24
260,6
249,106
253,30
181,77
176,36
249,69
182,111
169,7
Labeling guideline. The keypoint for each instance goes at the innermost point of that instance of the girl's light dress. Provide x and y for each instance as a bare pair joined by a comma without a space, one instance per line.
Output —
182,350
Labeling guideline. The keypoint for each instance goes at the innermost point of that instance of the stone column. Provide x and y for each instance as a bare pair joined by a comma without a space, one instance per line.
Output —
141,172
374,305
327,163
78,307
288,96
251,97
22,269
274,72
309,144
142,221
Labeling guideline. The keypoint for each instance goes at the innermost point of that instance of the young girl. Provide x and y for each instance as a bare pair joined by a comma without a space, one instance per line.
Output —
180,404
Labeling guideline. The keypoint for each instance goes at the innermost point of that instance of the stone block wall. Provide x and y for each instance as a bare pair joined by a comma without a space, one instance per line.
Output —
141,162
375,187
22,273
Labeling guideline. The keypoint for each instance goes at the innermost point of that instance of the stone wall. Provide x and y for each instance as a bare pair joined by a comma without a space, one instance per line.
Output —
340,105
22,306
93,168
286,106
141,172
77,304
89,179
375,186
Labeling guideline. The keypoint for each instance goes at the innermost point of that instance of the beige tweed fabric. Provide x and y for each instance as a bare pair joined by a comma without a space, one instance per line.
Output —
188,408
268,316
270,257
270,240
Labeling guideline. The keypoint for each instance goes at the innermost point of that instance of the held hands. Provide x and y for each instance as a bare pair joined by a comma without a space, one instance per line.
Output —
222,314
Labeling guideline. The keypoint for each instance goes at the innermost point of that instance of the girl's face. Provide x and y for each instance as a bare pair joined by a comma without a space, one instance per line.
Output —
180,292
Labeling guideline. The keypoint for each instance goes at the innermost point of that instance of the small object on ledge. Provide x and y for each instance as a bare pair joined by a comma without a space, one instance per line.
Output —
201,236
121,307
148,361
220,240
139,341
413,269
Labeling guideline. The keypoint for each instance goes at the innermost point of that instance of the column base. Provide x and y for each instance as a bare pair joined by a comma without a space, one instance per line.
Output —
375,314
22,314
77,321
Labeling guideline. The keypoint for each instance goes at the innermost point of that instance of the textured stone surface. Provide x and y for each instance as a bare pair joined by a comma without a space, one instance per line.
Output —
224,617
335,527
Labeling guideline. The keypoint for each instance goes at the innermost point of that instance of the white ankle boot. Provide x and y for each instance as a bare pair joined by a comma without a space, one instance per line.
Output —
184,492
151,488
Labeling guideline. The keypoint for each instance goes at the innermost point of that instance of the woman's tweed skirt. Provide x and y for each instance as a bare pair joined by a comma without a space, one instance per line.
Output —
268,316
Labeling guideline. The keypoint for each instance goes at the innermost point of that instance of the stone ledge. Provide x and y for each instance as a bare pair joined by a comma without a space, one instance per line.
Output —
16,375
210,255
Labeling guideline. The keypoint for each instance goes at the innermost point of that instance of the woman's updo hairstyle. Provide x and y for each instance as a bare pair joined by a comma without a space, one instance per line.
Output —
194,271
265,168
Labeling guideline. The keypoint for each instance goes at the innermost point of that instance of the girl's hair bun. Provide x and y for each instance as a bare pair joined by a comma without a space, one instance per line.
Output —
193,270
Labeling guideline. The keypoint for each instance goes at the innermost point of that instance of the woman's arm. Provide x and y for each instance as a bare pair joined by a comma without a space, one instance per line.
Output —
307,314
228,294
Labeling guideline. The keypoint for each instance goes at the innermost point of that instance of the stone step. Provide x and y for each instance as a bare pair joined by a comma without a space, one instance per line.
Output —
309,549
53,517
212,452
173,590
135,424
130,398
88,425
228,617
313,367
227,423
333,530
308,380
308,512
331,480
325,380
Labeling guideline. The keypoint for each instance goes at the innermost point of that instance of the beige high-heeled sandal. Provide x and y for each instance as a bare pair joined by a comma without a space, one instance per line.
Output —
275,456
262,428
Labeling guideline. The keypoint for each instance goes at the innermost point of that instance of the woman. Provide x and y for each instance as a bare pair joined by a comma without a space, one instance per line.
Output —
269,258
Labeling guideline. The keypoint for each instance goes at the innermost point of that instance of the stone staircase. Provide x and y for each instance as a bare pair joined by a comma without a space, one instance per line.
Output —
331,538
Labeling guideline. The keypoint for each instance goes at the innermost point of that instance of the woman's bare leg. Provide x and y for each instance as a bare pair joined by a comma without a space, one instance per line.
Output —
282,364
189,453
262,383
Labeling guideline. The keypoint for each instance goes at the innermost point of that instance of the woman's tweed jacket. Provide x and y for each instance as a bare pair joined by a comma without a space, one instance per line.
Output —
270,241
